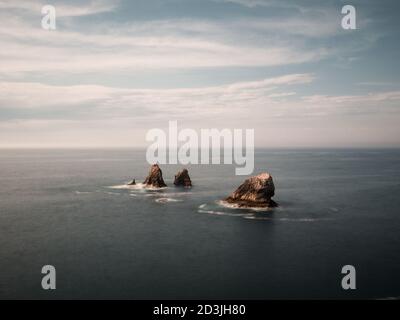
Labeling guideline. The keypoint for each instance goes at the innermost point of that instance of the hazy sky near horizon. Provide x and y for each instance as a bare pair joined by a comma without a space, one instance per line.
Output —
112,70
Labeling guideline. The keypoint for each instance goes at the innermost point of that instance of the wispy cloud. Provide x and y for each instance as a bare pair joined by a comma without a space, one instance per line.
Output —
270,97
180,43
106,102
85,8
258,3
141,47
96,40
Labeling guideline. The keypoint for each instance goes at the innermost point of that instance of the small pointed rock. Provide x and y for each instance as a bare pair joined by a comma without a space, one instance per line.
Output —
132,183
155,178
255,192
182,179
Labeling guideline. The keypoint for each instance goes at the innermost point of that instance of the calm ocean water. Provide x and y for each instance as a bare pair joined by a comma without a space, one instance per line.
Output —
65,208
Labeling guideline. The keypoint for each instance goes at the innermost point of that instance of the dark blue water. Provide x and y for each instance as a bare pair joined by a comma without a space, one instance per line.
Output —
64,208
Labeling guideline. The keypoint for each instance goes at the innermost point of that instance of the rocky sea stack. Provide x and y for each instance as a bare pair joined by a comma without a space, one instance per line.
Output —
155,178
182,179
255,192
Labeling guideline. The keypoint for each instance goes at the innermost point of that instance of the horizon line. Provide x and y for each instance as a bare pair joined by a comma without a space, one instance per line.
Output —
100,147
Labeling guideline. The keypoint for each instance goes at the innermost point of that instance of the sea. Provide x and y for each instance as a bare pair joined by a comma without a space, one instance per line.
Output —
71,208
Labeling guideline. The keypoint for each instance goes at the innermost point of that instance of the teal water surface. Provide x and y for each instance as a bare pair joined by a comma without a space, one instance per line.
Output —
69,208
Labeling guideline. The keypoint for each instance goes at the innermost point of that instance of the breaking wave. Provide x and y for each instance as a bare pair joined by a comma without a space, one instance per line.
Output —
286,219
138,186
221,208
160,195
83,192
220,213
113,193
166,200
235,206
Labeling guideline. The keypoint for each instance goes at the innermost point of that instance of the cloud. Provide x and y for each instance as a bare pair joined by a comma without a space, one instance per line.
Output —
33,114
301,40
161,44
35,50
265,98
258,3
106,102
343,100
85,8
176,43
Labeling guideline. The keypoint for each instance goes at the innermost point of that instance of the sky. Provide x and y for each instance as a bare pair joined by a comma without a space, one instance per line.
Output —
113,70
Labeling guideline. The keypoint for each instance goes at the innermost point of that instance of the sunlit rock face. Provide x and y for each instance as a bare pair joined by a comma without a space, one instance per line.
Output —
155,178
256,191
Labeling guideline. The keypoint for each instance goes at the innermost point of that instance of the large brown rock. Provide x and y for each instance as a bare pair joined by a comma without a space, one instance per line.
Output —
155,178
255,192
182,179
